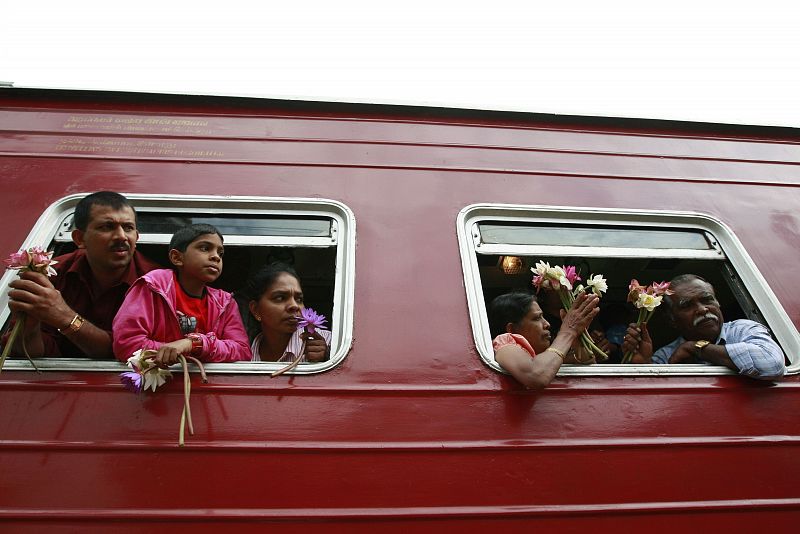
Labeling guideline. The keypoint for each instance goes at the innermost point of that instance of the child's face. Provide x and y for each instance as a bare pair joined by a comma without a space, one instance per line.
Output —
202,260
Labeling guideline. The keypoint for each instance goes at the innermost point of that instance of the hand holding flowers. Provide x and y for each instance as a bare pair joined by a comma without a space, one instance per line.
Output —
146,374
646,300
562,279
314,347
34,259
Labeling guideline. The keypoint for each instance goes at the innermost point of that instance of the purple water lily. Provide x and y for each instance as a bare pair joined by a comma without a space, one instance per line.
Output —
311,320
131,380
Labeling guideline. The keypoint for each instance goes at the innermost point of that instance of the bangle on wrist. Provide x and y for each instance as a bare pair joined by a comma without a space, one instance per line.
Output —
197,344
556,351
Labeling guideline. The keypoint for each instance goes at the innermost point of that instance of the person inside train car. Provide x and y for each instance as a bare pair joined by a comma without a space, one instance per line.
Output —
272,301
71,314
522,341
551,309
175,312
609,330
742,345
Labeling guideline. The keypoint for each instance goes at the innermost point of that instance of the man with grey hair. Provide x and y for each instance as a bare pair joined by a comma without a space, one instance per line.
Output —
742,345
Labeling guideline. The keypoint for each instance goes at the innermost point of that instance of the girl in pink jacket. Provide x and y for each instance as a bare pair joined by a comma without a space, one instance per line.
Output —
174,312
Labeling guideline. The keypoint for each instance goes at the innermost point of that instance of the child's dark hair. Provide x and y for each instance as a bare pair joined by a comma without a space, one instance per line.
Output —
256,286
185,236
111,199
508,308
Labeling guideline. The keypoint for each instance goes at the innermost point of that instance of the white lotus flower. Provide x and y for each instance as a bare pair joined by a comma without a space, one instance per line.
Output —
153,376
598,284
541,268
156,377
648,301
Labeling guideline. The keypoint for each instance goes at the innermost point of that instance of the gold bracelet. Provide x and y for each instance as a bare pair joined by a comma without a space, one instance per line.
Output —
558,352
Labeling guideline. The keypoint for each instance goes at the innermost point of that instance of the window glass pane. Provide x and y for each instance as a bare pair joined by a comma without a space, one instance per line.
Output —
585,236
245,225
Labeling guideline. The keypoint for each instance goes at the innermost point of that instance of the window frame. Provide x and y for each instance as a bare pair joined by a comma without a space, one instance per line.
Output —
724,241
55,220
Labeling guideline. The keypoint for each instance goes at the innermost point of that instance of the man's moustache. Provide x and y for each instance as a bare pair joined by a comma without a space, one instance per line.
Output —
703,318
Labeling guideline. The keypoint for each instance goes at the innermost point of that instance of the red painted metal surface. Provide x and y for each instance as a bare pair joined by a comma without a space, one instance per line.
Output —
412,430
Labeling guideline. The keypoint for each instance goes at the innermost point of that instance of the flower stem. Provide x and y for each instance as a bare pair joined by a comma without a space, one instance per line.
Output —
19,326
25,348
181,430
592,347
644,316
186,415
566,301
199,365
10,343
294,363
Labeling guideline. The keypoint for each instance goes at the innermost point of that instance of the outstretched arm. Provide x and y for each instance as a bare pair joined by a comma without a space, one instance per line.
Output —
538,372
753,353
533,373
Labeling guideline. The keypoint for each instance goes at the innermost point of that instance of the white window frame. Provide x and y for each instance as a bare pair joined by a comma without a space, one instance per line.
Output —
469,246
55,219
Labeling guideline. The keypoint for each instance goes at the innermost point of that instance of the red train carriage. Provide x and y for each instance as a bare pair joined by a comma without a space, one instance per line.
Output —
398,220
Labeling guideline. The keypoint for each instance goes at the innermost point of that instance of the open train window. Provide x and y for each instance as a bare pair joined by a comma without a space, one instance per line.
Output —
316,236
499,245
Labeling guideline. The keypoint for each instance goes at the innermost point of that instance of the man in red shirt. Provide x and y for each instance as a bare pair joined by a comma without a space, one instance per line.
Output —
71,314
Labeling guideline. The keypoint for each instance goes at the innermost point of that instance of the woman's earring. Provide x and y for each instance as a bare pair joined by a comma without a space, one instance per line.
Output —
258,318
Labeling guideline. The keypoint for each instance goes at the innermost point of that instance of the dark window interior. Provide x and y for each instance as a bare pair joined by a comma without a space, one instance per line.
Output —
618,272
315,266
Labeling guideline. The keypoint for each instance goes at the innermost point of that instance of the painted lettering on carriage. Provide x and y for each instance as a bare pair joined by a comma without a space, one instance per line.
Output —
123,147
128,124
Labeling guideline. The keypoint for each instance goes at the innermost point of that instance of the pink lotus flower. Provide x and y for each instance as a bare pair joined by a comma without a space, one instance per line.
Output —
562,279
659,289
646,300
311,320
634,289
18,260
33,259
538,281
571,274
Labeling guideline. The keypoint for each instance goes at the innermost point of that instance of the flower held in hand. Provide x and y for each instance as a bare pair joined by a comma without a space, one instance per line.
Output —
646,300
34,259
311,320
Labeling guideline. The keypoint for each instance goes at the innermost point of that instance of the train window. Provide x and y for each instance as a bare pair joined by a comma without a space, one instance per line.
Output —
316,236
499,245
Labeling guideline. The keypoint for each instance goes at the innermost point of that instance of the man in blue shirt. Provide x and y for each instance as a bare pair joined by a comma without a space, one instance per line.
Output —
744,346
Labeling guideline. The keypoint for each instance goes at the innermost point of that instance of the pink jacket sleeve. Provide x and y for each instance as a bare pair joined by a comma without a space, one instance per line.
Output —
134,325
229,343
